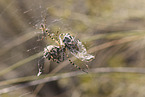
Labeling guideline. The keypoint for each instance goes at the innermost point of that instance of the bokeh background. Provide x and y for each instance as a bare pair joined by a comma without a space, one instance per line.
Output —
111,30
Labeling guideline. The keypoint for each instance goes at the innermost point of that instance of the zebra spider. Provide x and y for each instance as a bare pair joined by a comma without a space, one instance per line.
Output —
57,53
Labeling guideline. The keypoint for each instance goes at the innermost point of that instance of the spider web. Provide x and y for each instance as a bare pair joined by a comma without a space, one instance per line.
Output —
21,36
20,23
23,18
20,39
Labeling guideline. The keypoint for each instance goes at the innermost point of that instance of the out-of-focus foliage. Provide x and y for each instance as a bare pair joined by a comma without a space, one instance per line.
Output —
111,30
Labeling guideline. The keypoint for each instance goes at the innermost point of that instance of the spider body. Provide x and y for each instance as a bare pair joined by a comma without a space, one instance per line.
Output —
54,53
70,43
76,47
57,53
51,52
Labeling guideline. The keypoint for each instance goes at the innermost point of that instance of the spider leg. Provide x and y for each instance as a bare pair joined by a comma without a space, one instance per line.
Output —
57,35
56,61
75,64
61,59
40,66
61,42
44,30
52,37
63,55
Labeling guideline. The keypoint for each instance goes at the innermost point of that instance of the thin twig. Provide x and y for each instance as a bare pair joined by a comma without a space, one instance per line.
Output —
75,73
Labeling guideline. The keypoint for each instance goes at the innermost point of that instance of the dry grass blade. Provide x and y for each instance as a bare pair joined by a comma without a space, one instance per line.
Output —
71,74
16,65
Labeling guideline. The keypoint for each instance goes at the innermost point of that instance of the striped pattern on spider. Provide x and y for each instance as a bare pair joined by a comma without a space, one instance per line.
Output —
67,43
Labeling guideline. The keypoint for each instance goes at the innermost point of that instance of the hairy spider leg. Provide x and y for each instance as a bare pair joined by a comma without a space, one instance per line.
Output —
61,50
44,30
54,59
72,63
40,66
63,55
43,26
52,37
61,42
77,66
56,36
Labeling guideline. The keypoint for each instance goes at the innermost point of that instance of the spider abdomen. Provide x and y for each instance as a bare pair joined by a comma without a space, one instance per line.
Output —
55,53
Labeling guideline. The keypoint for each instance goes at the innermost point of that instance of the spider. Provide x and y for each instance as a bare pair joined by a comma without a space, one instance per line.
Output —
76,47
57,53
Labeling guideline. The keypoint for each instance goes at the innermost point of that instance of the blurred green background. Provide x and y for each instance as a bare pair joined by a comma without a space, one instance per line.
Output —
111,30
